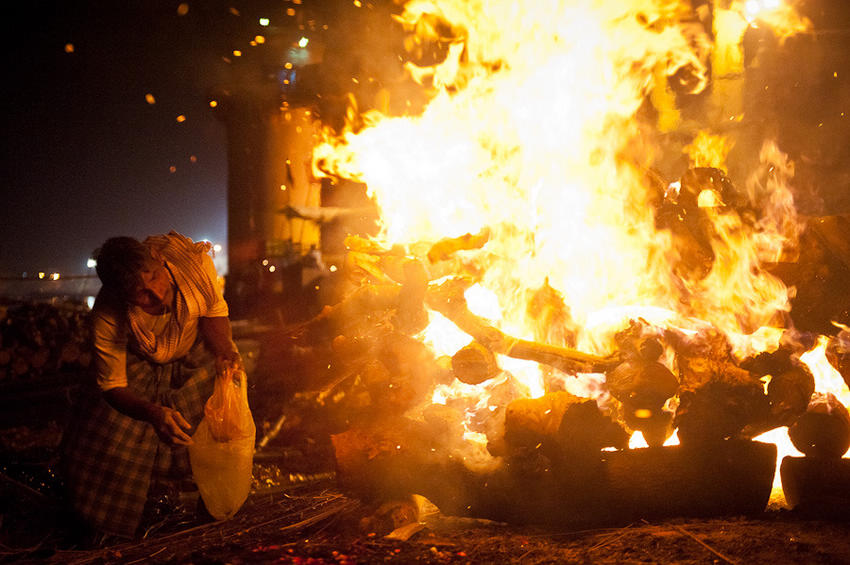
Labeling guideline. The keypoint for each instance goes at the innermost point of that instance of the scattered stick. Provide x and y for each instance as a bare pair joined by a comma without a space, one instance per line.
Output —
725,558
612,538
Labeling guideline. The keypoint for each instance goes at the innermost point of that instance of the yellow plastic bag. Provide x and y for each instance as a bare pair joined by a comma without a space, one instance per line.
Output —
226,412
222,451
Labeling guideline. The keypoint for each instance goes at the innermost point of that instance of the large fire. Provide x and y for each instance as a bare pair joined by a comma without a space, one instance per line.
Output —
536,130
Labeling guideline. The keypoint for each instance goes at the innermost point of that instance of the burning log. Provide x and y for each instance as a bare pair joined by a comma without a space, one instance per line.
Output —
643,385
790,387
718,399
561,425
824,430
448,299
474,364
448,246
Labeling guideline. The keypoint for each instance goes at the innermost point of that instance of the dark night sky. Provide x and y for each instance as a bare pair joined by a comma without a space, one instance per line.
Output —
84,156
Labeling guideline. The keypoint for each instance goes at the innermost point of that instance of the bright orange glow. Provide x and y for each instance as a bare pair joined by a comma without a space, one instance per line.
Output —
181,118
149,98
69,48
556,168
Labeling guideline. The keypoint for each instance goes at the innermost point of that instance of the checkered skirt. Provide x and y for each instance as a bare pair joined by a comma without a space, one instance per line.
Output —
111,459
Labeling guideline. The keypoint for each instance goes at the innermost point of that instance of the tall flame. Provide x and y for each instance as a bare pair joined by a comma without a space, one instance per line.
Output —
531,131
534,129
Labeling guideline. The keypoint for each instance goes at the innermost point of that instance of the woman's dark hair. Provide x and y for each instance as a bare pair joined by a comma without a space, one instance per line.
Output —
120,260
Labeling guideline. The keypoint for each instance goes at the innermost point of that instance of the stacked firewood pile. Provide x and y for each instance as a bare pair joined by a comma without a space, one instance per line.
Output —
40,339
560,457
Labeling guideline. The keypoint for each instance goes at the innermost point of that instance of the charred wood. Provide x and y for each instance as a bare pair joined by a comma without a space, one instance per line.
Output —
719,410
473,364
816,485
643,385
790,387
824,430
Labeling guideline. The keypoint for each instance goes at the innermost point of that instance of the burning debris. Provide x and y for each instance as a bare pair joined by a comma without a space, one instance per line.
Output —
467,433
540,297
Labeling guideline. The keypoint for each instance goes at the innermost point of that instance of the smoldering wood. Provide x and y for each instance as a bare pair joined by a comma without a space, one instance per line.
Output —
642,384
562,425
473,364
718,399
823,431
790,385
789,393
817,485
719,411
448,299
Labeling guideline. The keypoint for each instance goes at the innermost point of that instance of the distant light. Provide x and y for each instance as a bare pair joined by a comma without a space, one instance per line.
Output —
358,3
41,275
183,9
237,53
264,22
172,169
332,268
213,103
193,159
283,187
265,262
90,302
217,247
69,48
54,276
260,39
91,263
287,65
290,11
303,42
181,118
271,268
149,98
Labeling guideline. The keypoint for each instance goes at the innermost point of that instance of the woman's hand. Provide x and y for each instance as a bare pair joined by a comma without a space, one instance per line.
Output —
228,362
171,426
